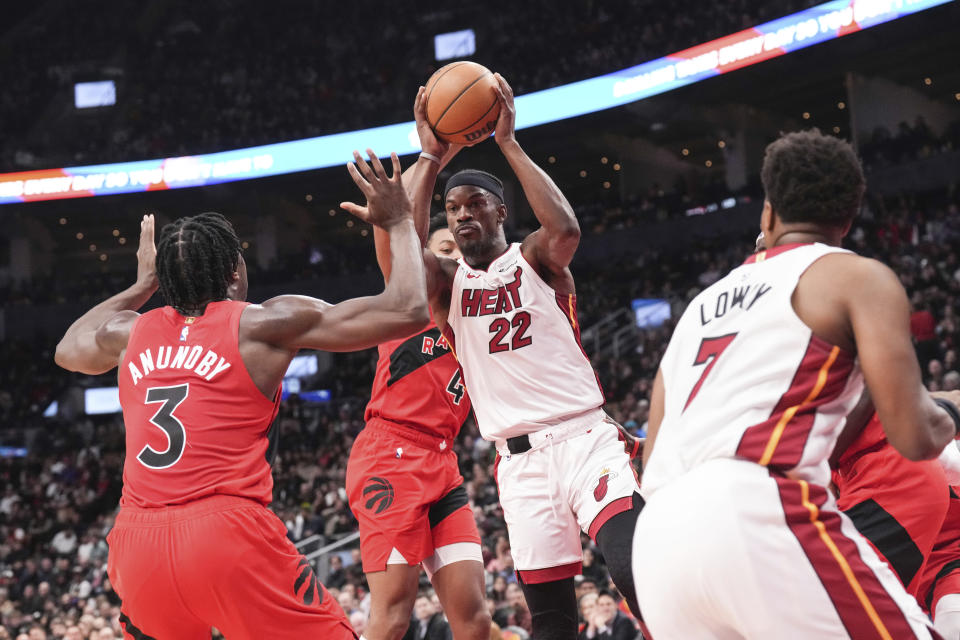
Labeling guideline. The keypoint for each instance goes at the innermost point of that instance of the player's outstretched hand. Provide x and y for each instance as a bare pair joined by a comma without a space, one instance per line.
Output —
387,200
508,114
147,255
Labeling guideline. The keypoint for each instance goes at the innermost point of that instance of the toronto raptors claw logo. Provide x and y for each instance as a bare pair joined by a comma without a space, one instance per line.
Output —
600,491
380,493
314,589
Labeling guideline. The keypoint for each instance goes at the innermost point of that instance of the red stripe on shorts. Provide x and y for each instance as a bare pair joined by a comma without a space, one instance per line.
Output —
550,574
616,507
864,606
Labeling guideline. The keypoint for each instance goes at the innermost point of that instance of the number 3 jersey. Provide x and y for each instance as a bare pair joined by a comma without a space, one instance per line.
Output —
196,424
418,384
745,378
518,343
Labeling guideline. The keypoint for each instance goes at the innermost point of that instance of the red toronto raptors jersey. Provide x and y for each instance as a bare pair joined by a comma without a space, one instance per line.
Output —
196,424
418,384
945,557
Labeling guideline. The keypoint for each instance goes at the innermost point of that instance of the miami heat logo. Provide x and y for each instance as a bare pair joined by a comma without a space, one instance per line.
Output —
600,491
380,493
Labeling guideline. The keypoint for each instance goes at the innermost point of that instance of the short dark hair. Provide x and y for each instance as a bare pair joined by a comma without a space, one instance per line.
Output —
437,221
196,258
812,177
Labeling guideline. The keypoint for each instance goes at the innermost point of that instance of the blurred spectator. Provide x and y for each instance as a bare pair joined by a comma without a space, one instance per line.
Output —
429,623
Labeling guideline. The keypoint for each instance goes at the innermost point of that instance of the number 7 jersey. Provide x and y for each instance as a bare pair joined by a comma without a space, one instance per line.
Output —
745,378
196,424
518,344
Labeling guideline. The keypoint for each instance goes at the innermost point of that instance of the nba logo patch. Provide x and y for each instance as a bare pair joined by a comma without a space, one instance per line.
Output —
183,334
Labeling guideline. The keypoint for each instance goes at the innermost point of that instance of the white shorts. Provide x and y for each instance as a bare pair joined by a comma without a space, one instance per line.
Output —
730,551
442,556
575,477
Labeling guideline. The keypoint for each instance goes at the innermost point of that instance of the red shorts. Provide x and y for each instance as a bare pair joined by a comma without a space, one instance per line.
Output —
944,586
407,493
898,506
221,562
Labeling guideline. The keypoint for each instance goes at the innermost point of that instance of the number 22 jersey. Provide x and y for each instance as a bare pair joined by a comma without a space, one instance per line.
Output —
745,378
518,343
196,424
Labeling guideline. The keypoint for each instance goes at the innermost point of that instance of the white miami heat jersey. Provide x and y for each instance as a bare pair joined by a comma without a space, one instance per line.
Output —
745,378
518,343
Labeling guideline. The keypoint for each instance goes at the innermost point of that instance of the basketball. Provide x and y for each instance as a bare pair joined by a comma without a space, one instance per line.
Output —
461,102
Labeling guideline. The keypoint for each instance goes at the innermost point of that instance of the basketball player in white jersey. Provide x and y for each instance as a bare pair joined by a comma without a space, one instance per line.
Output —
509,314
740,537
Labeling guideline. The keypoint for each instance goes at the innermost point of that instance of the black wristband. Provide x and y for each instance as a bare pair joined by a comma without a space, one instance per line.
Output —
952,411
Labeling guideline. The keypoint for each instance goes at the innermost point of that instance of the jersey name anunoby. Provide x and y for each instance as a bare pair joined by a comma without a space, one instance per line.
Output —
202,361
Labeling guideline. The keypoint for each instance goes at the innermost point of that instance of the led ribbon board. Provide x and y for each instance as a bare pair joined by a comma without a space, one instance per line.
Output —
750,46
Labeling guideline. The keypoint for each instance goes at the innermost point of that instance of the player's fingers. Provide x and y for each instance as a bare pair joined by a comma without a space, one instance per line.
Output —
146,230
504,85
418,101
362,166
358,179
498,90
355,210
378,169
395,160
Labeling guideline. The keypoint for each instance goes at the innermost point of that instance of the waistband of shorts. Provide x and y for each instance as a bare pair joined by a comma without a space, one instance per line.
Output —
415,436
564,429
147,516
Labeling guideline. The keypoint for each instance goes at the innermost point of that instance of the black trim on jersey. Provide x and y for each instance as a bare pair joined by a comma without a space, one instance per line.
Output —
953,494
273,441
889,537
132,629
409,355
447,505
947,568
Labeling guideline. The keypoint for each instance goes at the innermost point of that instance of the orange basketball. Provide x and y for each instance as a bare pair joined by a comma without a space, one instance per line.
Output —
461,102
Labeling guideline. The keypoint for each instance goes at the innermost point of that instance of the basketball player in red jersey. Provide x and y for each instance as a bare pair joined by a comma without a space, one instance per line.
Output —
403,479
758,430
509,314
194,546
897,504
939,588
908,511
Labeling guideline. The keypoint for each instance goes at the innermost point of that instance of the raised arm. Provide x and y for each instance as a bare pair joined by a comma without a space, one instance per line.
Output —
295,322
94,342
550,248
419,180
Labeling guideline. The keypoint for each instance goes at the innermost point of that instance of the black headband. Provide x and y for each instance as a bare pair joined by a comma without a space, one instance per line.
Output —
475,178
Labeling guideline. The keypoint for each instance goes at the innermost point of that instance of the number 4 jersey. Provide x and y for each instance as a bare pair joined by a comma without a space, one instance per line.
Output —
518,343
745,378
196,424
418,384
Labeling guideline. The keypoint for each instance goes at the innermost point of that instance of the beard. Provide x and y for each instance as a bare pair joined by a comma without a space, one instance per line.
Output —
475,249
